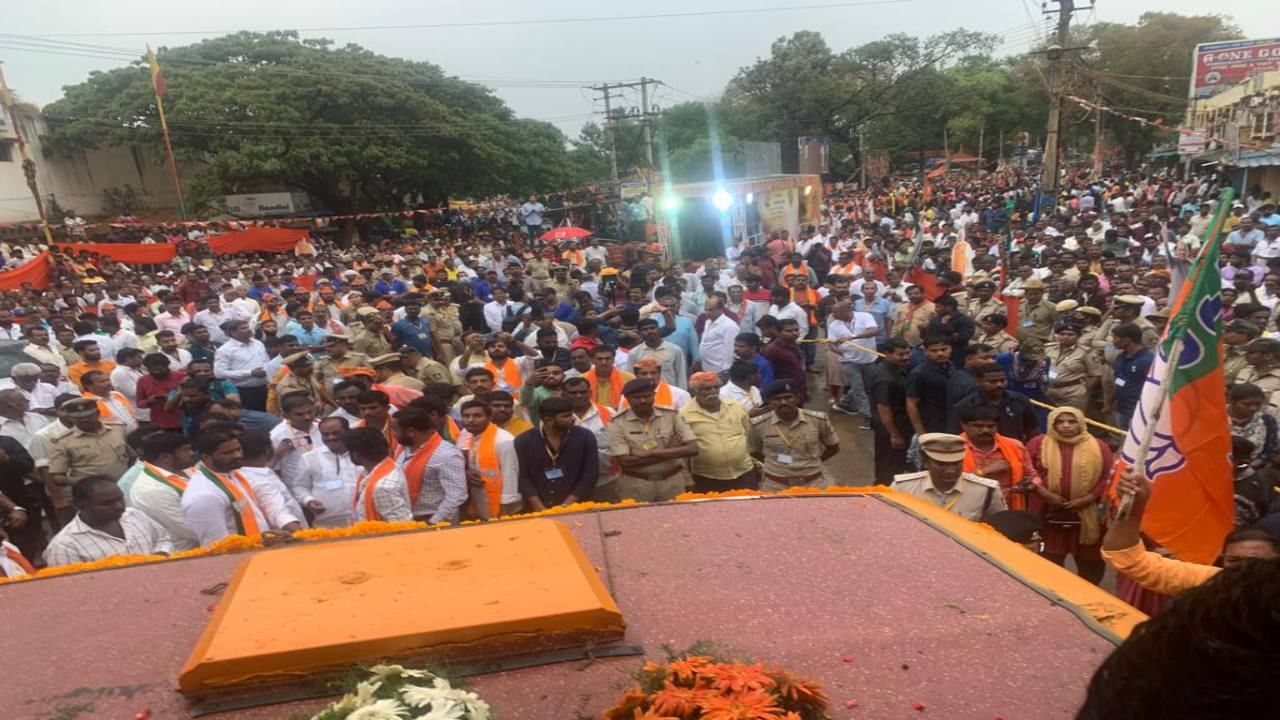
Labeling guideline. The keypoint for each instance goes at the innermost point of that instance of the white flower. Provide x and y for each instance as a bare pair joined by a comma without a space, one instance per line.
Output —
444,710
478,710
419,696
382,672
364,693
441,684
380,710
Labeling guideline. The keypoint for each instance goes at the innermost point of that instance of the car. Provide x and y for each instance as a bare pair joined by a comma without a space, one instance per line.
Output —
11,354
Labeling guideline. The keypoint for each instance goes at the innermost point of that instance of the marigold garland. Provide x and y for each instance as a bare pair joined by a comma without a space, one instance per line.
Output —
701,687
240,543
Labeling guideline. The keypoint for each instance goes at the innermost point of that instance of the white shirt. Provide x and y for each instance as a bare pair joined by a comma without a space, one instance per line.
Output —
41,447
211,517
495,313
47,355
258,475
594,422
124,339
596,252
105,345
236,361
10,568
162,504
508,462
390,497
181,360
214,321
79,543
25,429
860,351
749,398
121,407
303,441
125,380
38,398
794,312
716,347
329,478
13,332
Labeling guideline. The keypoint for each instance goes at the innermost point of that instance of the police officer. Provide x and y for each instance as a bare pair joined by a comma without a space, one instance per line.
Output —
944,482
1126,308
1074,371
650,444
791,442
1035,314
982,303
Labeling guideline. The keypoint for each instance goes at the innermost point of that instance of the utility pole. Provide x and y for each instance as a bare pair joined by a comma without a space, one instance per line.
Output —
645,113
862,154
982,139
1097,131
946,152
1049,169
28,165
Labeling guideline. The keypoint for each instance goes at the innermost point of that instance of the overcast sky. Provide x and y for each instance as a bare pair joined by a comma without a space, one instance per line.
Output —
694,55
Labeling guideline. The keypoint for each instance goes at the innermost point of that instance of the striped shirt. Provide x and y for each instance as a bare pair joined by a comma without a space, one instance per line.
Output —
444,489
79,543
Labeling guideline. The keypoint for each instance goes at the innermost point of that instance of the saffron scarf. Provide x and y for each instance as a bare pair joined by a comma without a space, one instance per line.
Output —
240,494
415,470
615,386
365,487
1012,454
482,455
104,409
1086,469
18,559
662,397
509,374
177,483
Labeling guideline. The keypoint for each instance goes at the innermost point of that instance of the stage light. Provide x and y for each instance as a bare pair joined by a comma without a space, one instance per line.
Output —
671,203
751,197
722,200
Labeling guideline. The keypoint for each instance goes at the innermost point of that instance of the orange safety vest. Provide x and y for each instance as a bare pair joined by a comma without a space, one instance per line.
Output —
1008,448
415,470
482,455
509,374
365,494
615,386
240,493
105,410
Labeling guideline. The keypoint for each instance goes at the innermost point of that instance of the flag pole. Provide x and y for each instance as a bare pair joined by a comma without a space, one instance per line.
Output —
157,85
28,165
1149,432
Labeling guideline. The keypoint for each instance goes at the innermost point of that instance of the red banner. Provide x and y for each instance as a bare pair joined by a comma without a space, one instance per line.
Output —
127,253
257,239
38,273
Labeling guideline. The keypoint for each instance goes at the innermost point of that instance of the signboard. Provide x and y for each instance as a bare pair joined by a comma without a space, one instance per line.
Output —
1218,66
780,210
1190,142
265,204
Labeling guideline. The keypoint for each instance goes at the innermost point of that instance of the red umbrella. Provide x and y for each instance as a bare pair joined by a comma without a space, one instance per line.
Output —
565,233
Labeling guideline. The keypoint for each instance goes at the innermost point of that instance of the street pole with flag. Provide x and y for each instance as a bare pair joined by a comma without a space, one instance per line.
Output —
1180,437
160,87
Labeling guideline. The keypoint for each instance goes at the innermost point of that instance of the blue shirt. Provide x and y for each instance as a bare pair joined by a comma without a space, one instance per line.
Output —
684,336
414,333
308,338
880,309
1131,373
395,287
766,368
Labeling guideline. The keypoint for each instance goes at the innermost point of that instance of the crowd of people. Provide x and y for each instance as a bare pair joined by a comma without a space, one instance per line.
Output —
468,370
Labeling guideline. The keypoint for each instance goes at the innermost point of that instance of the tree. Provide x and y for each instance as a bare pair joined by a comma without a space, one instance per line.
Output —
355,130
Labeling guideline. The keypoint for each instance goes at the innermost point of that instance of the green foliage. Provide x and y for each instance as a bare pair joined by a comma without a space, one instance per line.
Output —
354,129
122,200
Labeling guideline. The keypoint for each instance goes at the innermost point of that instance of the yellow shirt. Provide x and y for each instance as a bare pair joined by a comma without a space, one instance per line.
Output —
722,440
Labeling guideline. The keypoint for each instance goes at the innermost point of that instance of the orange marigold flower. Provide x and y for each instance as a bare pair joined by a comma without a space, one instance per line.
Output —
632,700
739,677
751,705
682,702
652,714
687,669
798,693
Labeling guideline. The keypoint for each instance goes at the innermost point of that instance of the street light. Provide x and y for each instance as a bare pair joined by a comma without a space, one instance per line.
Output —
722,200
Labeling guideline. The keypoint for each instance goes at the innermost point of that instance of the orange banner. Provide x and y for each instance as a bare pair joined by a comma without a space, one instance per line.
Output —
37,273
127,253
257,239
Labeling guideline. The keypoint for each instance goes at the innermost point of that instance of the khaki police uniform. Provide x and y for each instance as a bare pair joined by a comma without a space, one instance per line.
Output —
330,370
1002,341
447,328
791,451
79,454
659,481
972,497
1150,335
430,371
292,383
1036,321
1268,380
371,344
1234,365
399,379
1069,371
978,309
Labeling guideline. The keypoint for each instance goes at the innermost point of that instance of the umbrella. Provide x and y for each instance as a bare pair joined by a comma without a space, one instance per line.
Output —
565,233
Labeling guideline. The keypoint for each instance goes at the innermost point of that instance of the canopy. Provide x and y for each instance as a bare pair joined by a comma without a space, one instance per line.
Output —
257,239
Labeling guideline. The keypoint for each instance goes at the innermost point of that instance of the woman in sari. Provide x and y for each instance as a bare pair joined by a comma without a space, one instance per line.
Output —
1072,466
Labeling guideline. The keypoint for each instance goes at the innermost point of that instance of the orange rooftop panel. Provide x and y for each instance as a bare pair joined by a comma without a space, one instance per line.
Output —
462,595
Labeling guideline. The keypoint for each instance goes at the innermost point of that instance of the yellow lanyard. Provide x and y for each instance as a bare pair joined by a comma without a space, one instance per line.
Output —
783,436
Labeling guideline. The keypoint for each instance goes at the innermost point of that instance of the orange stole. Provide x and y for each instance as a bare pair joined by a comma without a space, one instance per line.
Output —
662,398
615,386
1009,450
810,298
365,495
392,442
509,374
415,470
482,455
18,559
104,410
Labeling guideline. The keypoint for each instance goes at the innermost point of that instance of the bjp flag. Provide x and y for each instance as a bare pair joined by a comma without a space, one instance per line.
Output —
1192,506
